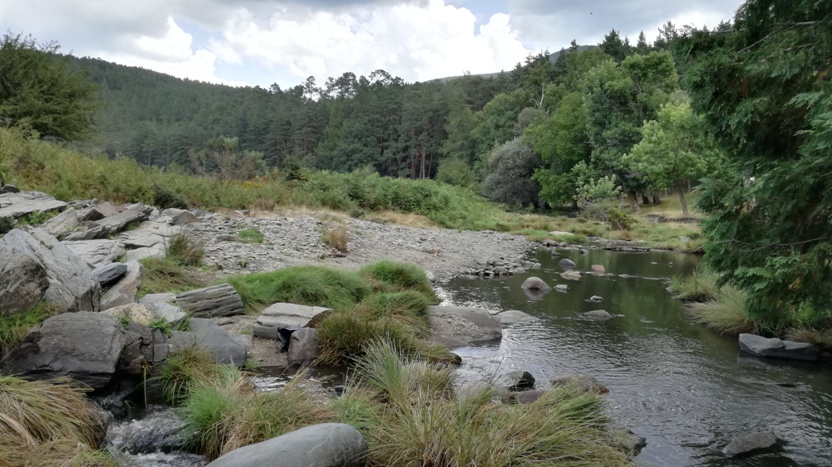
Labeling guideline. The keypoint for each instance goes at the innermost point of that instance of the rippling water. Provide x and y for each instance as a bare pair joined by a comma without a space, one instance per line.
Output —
684,388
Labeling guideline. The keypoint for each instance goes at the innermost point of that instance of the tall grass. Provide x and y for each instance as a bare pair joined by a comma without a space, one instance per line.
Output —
186,248
399,276
409,415
168,275
50,423
336,237
725,313
14,328
183,370
699,286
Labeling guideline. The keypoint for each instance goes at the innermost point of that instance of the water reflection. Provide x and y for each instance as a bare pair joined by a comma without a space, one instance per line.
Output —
681,386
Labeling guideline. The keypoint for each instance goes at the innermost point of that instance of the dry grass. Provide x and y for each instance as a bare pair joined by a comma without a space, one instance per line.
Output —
48,423
820,338
186,248
400,218
336,237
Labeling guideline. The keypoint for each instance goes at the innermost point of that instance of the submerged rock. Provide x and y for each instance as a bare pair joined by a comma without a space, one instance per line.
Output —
748,443
584,383
535,283
516,381
598,314
571,275
776,348
566,264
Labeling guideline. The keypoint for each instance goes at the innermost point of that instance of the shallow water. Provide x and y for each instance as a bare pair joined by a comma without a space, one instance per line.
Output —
684,388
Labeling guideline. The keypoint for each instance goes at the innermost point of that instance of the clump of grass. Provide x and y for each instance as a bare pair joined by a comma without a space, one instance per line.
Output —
14,328
186,248
822,338
251,236
410,416
400,276
725,313
225,413
51,422
305,285
183,370
699,286
408,307
335,237
167,275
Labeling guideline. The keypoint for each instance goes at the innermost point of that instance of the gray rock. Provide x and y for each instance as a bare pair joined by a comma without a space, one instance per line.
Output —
23,278
9,189
598,269
524,397
146,313
598,314
160,459
571,275
746,444
110,273
141,239
566,263
630,442
303,347
475,325
63,223
584,383
510,317
14,205
96,252
596,299
535,283
162,429
101,211
184,218
125,290
91,233
72,286
209,302
429,276
516,381
217,342
84,346
323,445
156,251
561,287
284,316
776,348
180,340
166,297
118,222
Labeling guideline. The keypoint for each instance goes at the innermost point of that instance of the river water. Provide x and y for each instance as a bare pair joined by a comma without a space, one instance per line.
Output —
683,387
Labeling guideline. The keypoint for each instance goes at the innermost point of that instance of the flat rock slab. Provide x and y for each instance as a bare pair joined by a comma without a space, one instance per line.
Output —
510,317
284,316
63,223
221,345
14,205
84,346
118,222
571,275
776,348
455,324
210,302
96,252
109,273
747,444
156,251
146,313
323,445
141,238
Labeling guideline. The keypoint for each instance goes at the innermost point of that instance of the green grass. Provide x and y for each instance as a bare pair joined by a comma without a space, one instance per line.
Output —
725,313
699,286
253,235
14,328
409,415
50,422
168,275
185,248
399,276
182,370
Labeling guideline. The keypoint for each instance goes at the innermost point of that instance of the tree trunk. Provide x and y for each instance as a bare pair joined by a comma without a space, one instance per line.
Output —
634,201
681,188
656,198
645,199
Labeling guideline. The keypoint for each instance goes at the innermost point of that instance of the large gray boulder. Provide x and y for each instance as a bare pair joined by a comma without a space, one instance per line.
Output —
221,345
536,283
147,313
72,287
210,302
110,273
63,223
323,445
748,443
776,348
284,317
84,346
96,252
456,326
125,290
23,278
14,205
303,347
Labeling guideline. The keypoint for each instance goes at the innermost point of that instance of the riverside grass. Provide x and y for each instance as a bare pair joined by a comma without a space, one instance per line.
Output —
14,328
410,416
37,165
48,422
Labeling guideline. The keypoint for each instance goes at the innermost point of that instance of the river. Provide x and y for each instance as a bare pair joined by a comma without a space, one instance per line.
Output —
683,387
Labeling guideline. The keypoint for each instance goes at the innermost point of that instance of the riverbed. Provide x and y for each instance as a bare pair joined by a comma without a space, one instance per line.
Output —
683,387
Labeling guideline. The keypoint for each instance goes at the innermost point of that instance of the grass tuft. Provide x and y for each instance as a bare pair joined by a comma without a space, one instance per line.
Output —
168,275
336,238
699,286
400,276
14,328
251,236
183,370
186,248
725,313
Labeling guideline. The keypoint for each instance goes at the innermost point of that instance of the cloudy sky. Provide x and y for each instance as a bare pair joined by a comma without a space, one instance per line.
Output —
260,42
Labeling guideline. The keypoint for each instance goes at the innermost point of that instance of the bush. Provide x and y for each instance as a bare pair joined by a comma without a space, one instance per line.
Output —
510,169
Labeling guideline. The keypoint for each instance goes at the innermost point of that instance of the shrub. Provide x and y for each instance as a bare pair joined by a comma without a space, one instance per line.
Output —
510,169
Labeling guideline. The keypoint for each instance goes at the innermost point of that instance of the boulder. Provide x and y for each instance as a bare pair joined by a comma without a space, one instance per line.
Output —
161,429
14,205
303,347
598,314
516,381
146,313
141,239
181,340
462,325
156,251
571,275
582,382
125,290
84,346
561,287
110,273
535,283
96,252
72,287
165,297
23,278
92,232
210,302
118,222
524,397
63,223
100,211
598,269
510,317
184,218
775,348
9,189
630,442
284,316
748,443
217,342
323,445
566,263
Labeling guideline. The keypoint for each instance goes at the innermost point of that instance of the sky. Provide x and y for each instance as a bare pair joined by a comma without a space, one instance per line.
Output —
260,42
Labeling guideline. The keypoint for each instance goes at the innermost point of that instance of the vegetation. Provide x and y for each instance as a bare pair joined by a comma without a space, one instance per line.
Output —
48,421
335,237
185,248
252,235
14,328
162,275
409,414
183,370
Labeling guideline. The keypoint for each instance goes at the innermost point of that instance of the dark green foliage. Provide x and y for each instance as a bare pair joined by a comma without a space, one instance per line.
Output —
510,169
164,198
38,91
765,90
